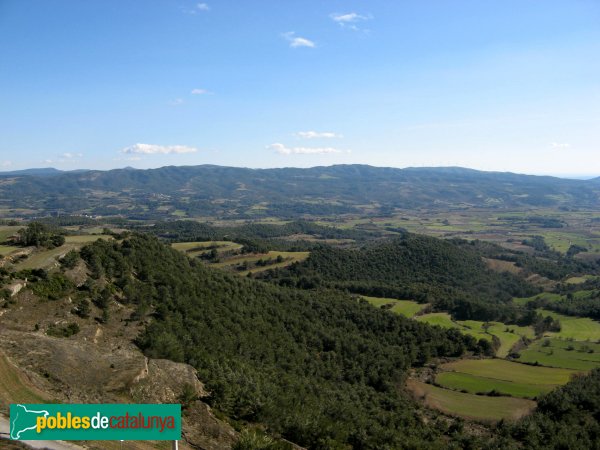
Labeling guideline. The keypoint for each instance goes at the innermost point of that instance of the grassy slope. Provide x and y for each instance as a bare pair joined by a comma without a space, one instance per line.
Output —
478,407
578,328
477,329
474,384
407,308
16,387
556,354
500,369
47,258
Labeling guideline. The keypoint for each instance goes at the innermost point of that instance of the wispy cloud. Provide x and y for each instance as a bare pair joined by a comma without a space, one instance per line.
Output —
198,7
349,20
198,91
317,135
6,164
297,41
559,145
176,102
72,155
152,149
283,150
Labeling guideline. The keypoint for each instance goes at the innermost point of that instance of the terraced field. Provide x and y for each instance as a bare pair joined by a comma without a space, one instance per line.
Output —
502,377
482,385
194,249
245,264
407,308
500,369
477,407
562,353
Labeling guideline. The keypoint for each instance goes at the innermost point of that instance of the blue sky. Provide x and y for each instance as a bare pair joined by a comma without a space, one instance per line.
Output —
492,85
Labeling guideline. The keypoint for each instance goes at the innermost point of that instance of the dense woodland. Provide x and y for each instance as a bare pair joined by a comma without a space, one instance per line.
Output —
320,368
449,275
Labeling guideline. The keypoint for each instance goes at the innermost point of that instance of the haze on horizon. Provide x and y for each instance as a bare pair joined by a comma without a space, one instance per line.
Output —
512,86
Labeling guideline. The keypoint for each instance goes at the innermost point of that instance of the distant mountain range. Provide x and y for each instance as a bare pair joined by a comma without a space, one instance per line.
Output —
215,191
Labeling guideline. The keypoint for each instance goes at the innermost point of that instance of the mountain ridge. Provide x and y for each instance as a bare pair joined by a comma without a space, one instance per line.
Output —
232,192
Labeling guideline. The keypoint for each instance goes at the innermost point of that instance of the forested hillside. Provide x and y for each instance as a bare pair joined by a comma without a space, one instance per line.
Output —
320,368
449,274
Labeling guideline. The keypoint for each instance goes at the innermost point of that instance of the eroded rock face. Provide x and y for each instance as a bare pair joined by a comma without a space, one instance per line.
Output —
16,287
81,371
162,381
78,370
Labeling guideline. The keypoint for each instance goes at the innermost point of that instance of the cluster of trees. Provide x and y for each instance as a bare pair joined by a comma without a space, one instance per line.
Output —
187,230
587,305
320,368
40,235
544,261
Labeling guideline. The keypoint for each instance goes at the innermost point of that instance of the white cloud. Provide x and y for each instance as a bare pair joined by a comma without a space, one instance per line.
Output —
6,163
559,145
151,149
72,155
202,7
297,41
349,20
317,135
199,92
176,102
283,150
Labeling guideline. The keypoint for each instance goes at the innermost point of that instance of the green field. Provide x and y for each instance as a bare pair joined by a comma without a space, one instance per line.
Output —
478,407
289,258
562,353
476,385
477,329
507,338
581,279
6,249
407,308
7,231
441,319
577,328
544,295
501,369
194,249
85,238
